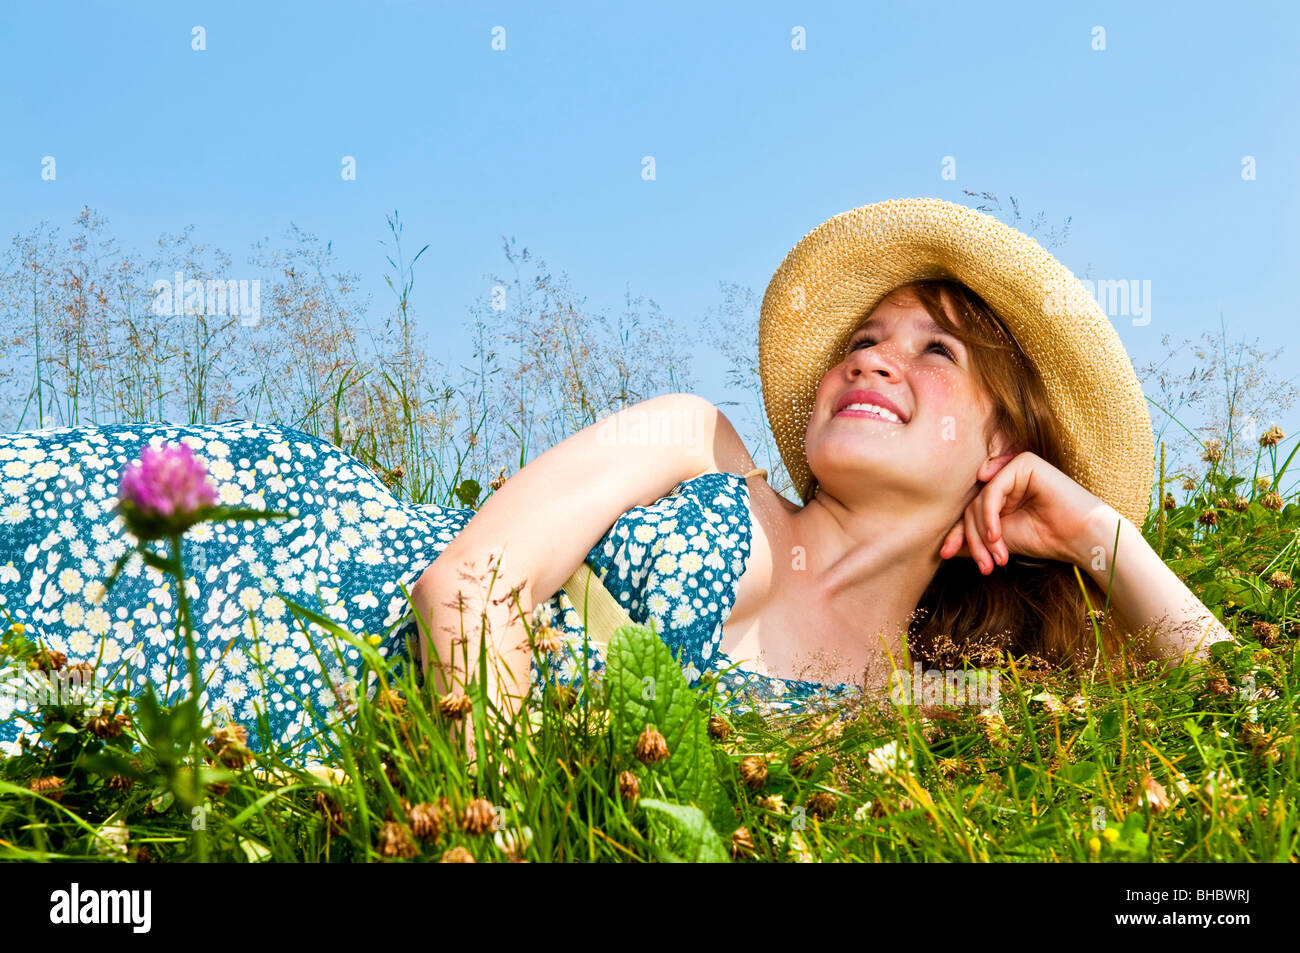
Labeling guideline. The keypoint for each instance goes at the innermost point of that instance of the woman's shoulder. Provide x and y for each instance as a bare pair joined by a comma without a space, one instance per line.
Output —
709,506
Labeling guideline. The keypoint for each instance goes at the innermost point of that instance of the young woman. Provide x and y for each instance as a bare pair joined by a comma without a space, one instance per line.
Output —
921,420
956,459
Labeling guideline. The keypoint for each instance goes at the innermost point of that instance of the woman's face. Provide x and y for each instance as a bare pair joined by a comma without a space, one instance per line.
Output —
932,455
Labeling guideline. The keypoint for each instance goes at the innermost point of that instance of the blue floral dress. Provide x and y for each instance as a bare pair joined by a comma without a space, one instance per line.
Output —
345,555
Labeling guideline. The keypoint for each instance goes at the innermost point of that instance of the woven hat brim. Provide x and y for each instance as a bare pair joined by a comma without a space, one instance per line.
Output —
841,269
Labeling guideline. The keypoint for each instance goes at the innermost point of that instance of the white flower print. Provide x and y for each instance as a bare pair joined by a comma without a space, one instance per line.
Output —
275,633
349,533
284,658
15,513
97,621
236,660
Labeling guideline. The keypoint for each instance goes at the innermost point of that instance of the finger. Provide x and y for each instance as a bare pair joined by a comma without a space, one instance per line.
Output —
955,543
991,510
989,525
951,542
978,551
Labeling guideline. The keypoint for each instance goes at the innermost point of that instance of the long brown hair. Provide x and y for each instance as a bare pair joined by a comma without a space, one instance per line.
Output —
1030,607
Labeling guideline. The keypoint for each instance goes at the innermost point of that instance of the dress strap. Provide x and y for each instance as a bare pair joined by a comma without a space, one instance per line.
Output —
757,471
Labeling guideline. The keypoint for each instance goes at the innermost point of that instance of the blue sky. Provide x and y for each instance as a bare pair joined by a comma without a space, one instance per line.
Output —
1141,144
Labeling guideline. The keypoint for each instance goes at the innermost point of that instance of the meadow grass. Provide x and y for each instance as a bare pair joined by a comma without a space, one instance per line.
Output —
1126,762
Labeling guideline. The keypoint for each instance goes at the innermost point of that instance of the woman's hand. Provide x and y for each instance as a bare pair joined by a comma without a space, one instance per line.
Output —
1032,508
1028,507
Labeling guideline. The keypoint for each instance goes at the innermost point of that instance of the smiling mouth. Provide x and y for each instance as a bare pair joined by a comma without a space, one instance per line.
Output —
871,412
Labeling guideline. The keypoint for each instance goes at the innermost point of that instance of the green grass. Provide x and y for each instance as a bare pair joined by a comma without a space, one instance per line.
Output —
1058,775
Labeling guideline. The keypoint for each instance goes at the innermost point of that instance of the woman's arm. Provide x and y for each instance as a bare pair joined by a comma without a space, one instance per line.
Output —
1031,507
540,525
1145,591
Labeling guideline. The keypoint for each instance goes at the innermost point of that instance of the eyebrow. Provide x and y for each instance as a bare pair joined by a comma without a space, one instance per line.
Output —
929,327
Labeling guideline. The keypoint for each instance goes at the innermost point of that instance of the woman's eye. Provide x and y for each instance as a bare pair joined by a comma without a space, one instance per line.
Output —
867,340
935,342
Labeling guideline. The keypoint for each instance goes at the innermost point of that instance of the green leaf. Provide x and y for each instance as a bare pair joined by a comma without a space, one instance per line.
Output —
255,852
468,492
682,834
1109,725
1080,773
647,687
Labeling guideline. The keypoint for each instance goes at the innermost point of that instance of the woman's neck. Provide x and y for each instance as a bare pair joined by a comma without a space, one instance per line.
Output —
871,563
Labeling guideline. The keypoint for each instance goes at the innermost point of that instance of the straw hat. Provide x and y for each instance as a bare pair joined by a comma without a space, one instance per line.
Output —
842,268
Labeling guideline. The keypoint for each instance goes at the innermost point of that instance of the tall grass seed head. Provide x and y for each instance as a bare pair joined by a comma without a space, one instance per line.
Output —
395,841
1280,580
822,804
426,820
547,641
629,788
742,843
1152,794
50,786
1271,437
455,706
753,769
479,816
719,730
651,746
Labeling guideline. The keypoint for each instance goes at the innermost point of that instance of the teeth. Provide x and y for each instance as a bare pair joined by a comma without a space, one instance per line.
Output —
875,409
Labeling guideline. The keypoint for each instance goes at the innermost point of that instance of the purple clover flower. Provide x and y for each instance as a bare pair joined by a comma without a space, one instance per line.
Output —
162,493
